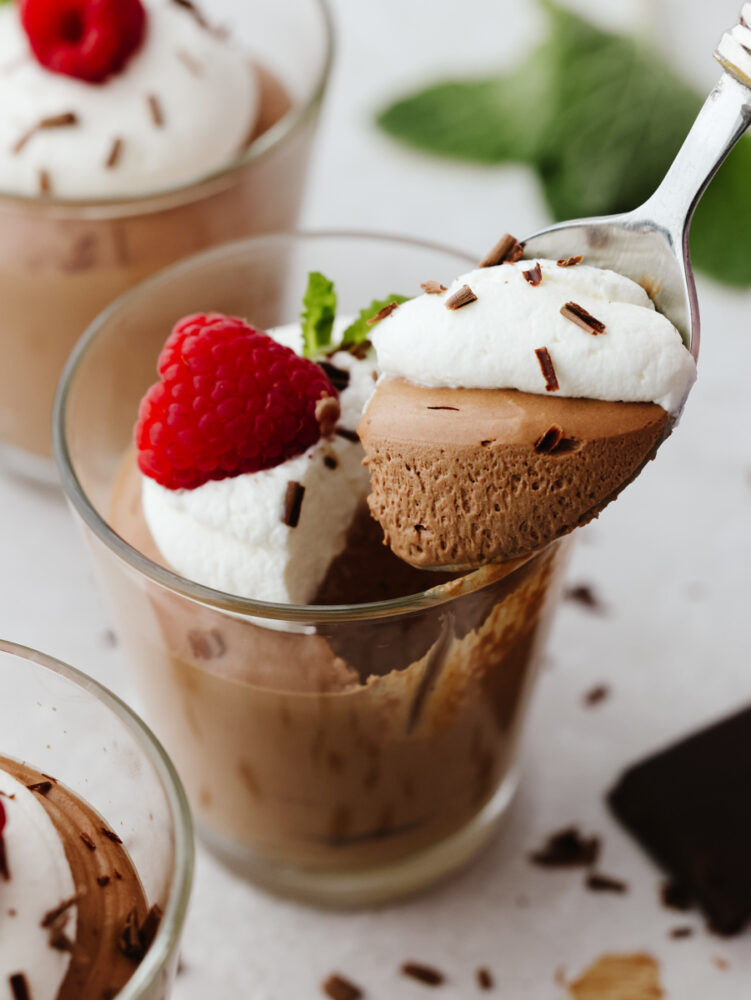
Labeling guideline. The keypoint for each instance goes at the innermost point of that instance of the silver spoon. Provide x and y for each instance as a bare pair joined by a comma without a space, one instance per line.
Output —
650,244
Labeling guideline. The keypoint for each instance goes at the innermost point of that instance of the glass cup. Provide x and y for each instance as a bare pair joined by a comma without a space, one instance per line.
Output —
342,754
62,262
64,724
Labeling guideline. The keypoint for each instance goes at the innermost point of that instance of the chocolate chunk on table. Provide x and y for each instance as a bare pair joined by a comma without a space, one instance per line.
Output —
690,808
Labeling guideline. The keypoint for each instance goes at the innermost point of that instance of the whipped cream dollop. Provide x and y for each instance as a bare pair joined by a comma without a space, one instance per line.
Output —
40,879
229,534
491,343
184,106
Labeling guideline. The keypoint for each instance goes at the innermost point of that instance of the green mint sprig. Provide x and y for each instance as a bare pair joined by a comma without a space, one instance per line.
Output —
360,329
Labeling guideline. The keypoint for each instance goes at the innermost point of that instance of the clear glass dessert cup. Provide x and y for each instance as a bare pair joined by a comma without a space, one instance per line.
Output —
62,723
62,262
341,754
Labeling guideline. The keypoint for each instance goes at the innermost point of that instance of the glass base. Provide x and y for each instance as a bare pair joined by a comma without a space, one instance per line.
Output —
371,886
37,470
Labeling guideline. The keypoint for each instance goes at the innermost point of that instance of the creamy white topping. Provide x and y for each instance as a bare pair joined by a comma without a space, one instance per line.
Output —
491,343
40,879
229,534
205,91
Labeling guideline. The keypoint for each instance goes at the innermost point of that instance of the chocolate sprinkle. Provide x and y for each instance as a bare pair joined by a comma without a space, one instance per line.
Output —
484,979
569,261
339,988
52,916
293,503
64,120
338,377
347,434
456,408
88,841
40,787
681,932
584,594
432,287
383,313
461,298
423,973
111,835
579,315
605,883
550,440
155,107
596,695
534,275
547,369
506,251
19,987
567,849
330,462
45,182
114,154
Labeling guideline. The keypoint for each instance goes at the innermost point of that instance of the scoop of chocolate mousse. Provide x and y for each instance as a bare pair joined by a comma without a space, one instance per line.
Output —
461,477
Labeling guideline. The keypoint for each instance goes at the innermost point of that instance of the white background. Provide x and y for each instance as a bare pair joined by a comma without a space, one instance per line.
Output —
670,560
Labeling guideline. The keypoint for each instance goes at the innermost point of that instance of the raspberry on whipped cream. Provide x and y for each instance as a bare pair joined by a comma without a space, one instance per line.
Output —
165,103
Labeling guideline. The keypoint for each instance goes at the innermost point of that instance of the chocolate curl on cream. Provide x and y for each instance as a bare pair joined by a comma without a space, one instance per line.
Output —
327,413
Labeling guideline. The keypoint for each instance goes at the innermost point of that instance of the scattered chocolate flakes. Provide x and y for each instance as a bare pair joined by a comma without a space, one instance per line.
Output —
534,275
547,369
155,108
45,182
383,313
598,882
423,973
596,695
569,261
190,62
103,880
456,408
129,941
579,315
463,297
327,412
19,987
88,841
330,461
115,153
40,787
339,988
676,896
506,251
567,849
550,440
111,835
64,120
293,503
347,434
484,979
338,377
679,933
432,287
52,916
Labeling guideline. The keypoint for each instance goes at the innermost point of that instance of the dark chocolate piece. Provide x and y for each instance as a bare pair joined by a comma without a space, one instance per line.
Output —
569,261
330,461
293,503
484,979
423,973
550,440
579,315
347,434
19,987
432,287
534,275
383,313
678,933
690,809
40,787
463,297
339,988
103,880
111,835
88,841
338,377
455,408
596,695
506,251
148,929
598,882
129,942
547,369
584,594
567,849
155,108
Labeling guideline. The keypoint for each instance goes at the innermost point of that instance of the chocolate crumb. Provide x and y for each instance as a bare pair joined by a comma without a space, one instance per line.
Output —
293,503
463,297
338,377
678,933
129,942
40,787
534,275
383,313
330,462
432,287
506,251
52,916
114,154
88,841
605,883
484,979
567,848
423,973
579,315
584,594
676,896
155,108
190,62
547,369
45,182
549,441
103,880
327,412
111,835
339,988
347,434
569,261
596,695
19,987
455,408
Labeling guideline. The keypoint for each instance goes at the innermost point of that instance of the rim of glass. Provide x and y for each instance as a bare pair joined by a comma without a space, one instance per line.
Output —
259,147
168,936
172,581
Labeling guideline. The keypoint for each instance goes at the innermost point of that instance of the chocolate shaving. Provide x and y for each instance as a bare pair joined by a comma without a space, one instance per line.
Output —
347,434
567,849
155,107
293,503
88,841
338,377
111,835
484,979
40,787
596,695
579,315
533,275
339,988
330,462
4,870
681,932
64,120
52,916
190,62
129,941
432,287
45,182
114,154
605,883
19,987
463,297
150,926
103,880
327,412
584,594
506,251
569,261
423,973
383,313
456,408
359,351
550,440
547,369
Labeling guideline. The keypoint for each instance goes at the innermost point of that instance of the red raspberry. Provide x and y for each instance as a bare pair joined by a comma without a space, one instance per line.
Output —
230,400
87,39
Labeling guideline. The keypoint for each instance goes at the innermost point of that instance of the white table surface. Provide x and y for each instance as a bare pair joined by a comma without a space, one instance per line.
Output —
670,560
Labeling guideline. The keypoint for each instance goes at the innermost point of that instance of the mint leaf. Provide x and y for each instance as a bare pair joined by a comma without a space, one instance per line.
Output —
319,310
359,331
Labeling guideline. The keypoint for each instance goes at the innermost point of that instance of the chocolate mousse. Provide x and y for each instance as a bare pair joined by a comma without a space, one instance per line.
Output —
75,922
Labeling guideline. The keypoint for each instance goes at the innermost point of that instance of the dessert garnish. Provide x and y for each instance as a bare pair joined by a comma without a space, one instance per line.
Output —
506,251
596,695
19,987
433,287
547,369
426,974
579,315
570,261
339,988
484,978
534,275
679,933
462,297
598,882
567,848
87,39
